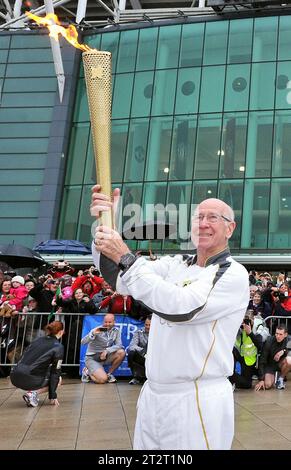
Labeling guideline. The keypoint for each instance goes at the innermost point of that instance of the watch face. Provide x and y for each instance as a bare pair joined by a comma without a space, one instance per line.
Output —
126,260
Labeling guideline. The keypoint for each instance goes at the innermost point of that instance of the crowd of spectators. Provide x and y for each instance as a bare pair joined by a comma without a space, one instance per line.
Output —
63,292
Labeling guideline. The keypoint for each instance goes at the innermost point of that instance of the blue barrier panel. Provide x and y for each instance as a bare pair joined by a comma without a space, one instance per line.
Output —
127,326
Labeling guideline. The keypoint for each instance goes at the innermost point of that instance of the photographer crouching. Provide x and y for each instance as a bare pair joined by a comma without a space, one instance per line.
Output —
247,346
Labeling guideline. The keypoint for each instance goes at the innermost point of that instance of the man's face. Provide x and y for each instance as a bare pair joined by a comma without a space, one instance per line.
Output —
87,287
147,325
280,335
210,232
283,289
108,321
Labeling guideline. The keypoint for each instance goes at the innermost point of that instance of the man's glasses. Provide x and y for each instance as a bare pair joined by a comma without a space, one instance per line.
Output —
210,218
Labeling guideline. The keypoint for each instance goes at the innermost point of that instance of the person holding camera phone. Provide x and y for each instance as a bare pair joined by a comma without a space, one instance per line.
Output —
104,348
187,401
247,346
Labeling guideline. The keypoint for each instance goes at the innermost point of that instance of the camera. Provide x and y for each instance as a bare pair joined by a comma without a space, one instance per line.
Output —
281,296
103,328
246,321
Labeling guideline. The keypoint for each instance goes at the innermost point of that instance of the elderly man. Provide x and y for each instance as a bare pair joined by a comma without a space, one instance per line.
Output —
187,402
105,348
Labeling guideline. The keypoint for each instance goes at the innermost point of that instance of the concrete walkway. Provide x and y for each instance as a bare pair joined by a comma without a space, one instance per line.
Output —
102,417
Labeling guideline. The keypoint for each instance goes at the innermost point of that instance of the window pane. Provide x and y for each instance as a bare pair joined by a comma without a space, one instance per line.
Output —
283,95
153,196
147,46
284,50
25,114
237,88
183,147
187,91
142,94
85,220
30,70
118,148
211,95
240,41
136,149
127,51
262,86
3,55
93,41
122,95
255,214
215,43
208,147
265,39
30,55
77,154
282,144
259,144
12,100
164,92
69,213
109,42
233,148
81,111
168,47
178,213
280,227
131,207
231,192
160,134
191,45
203,190
30,84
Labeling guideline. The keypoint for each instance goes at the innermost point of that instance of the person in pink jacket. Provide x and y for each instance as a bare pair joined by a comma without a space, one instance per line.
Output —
17,294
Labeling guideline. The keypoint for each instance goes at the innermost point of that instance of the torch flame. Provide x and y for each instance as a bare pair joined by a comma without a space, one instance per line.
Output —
52,22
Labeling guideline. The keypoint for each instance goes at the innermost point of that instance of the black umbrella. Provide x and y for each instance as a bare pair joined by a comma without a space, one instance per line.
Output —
19,256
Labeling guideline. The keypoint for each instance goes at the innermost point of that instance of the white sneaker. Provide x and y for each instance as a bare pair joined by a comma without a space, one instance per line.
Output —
111,378
233,387
134,381
31,399
280,384
85,375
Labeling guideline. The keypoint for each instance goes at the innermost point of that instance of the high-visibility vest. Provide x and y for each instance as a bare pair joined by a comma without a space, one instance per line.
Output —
246,348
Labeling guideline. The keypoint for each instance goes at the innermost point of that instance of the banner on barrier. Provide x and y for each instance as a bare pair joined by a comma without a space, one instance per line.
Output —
127,326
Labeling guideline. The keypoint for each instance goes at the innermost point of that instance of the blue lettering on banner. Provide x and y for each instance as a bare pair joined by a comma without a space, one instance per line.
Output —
126,324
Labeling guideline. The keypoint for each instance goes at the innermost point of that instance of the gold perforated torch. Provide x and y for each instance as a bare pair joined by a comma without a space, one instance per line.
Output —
97,68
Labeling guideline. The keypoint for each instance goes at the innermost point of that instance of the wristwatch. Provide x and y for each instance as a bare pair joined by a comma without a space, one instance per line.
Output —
126,261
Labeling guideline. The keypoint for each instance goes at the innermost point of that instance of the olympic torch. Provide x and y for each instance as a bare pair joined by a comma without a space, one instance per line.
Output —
97,67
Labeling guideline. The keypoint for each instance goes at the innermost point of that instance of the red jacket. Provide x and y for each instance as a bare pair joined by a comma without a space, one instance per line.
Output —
17,297
95,281
117,304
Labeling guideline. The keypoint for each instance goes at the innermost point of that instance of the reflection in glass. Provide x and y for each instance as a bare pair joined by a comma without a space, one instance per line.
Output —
70,212
208,146
265,39
127,51
237,87
136,149
283,86
77,153
233,147
142,94
284,50
187,91
157,162
280,212
259,144
168,47
255,214
282,144
240,41
191,45
147,45
215,45
164,92
231,192
122,95
183,148
212,87
262,86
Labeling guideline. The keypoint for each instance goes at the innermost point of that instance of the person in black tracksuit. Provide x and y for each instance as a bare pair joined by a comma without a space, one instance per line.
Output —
39,369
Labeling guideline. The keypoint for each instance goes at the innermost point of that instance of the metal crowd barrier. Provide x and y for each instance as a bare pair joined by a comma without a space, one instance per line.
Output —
273,321
16,333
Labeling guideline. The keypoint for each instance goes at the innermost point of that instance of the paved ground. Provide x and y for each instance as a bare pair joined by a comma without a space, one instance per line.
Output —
102,417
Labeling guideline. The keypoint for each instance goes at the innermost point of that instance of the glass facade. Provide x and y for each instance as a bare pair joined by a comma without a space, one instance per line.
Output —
28,88
199,110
